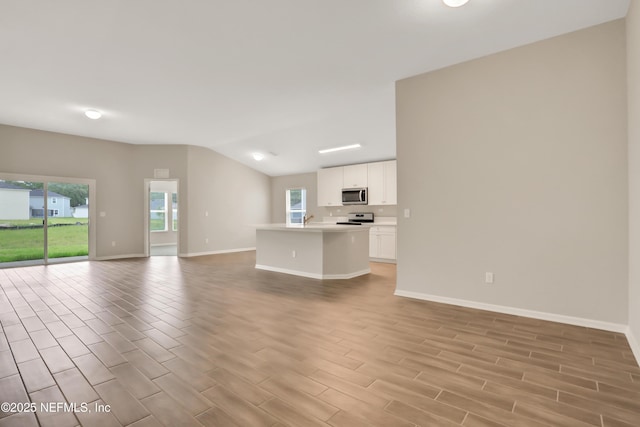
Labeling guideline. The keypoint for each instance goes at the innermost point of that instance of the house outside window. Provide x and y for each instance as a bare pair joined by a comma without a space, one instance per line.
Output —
158,211
296,205
54,200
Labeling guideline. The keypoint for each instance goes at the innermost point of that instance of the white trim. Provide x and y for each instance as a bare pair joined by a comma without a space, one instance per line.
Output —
69,259
314,275
225,251
147,231
633,343
577,321
383,260
163,244
25,263
110,257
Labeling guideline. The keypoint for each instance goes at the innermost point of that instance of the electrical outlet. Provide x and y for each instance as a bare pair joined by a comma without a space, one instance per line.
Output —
407,213
293,254
206,240
488,277
113,243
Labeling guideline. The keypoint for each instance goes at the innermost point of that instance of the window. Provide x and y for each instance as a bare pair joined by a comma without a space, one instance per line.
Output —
54,200
174,210
158,211
296,205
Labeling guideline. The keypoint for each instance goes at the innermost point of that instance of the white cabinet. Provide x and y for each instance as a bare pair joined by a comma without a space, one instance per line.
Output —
382,242
379,177
330,184
382,179
355,176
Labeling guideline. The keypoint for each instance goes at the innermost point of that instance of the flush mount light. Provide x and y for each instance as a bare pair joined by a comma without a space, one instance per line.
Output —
455,3
93,114
344,147
258,156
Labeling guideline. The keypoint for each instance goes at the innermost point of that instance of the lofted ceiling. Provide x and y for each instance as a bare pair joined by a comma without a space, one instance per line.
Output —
281,77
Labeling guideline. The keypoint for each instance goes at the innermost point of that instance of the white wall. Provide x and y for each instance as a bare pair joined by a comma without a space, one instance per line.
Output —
633,93
516,164
14,204
234,196
120,171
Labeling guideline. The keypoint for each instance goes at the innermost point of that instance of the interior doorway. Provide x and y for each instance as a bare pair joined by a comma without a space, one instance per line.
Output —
162,217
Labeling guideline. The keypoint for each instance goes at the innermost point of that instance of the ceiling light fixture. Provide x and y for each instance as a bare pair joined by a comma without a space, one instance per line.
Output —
455,3
93,114
344,147
258,156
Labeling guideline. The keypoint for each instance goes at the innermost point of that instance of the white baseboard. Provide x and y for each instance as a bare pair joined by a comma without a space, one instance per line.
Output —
225,251
155,245
383,260
110,257
577,321
313,275
634,344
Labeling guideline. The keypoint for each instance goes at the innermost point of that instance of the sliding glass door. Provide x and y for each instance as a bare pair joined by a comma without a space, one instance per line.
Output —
42,222
67,220
22,229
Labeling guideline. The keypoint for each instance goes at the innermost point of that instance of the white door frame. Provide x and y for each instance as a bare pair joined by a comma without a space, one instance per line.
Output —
147,233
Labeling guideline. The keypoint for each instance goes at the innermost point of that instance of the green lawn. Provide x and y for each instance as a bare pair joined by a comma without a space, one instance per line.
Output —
27,243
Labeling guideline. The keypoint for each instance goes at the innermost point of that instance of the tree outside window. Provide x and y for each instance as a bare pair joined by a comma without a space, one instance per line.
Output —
296,205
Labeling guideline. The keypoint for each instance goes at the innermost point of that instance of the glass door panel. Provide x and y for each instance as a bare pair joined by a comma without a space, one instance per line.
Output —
67,220
22,216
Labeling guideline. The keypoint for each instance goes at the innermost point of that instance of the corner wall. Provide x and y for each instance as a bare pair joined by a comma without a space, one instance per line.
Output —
633,93
226,200
516,164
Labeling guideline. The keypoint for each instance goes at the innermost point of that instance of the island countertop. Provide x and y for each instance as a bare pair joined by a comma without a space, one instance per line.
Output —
316,250
316,227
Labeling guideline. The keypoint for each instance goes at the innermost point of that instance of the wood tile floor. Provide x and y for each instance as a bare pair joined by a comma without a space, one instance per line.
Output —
212,341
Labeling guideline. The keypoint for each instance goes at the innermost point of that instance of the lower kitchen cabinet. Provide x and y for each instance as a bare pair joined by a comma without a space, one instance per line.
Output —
382,243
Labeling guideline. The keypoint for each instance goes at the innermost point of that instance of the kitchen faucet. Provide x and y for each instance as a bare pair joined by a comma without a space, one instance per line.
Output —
307,219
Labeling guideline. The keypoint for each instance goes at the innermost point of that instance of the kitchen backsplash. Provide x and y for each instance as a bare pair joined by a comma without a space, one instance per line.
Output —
321,211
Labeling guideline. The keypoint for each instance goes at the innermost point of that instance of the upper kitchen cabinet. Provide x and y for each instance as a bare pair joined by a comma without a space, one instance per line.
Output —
382,181
330,184
355,176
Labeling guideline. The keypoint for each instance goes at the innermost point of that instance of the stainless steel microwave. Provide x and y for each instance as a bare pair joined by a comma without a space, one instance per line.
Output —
354,196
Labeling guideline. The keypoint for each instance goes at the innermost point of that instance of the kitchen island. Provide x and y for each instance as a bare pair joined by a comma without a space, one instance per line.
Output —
316,250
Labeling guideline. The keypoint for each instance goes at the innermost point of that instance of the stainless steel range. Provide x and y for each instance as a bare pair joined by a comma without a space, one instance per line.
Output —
357,218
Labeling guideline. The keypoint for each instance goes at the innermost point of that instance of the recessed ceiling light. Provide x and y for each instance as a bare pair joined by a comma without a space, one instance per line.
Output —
93,114
344,147
455,3
258,156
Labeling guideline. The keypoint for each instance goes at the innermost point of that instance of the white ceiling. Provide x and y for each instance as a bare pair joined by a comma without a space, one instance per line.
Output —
282,77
